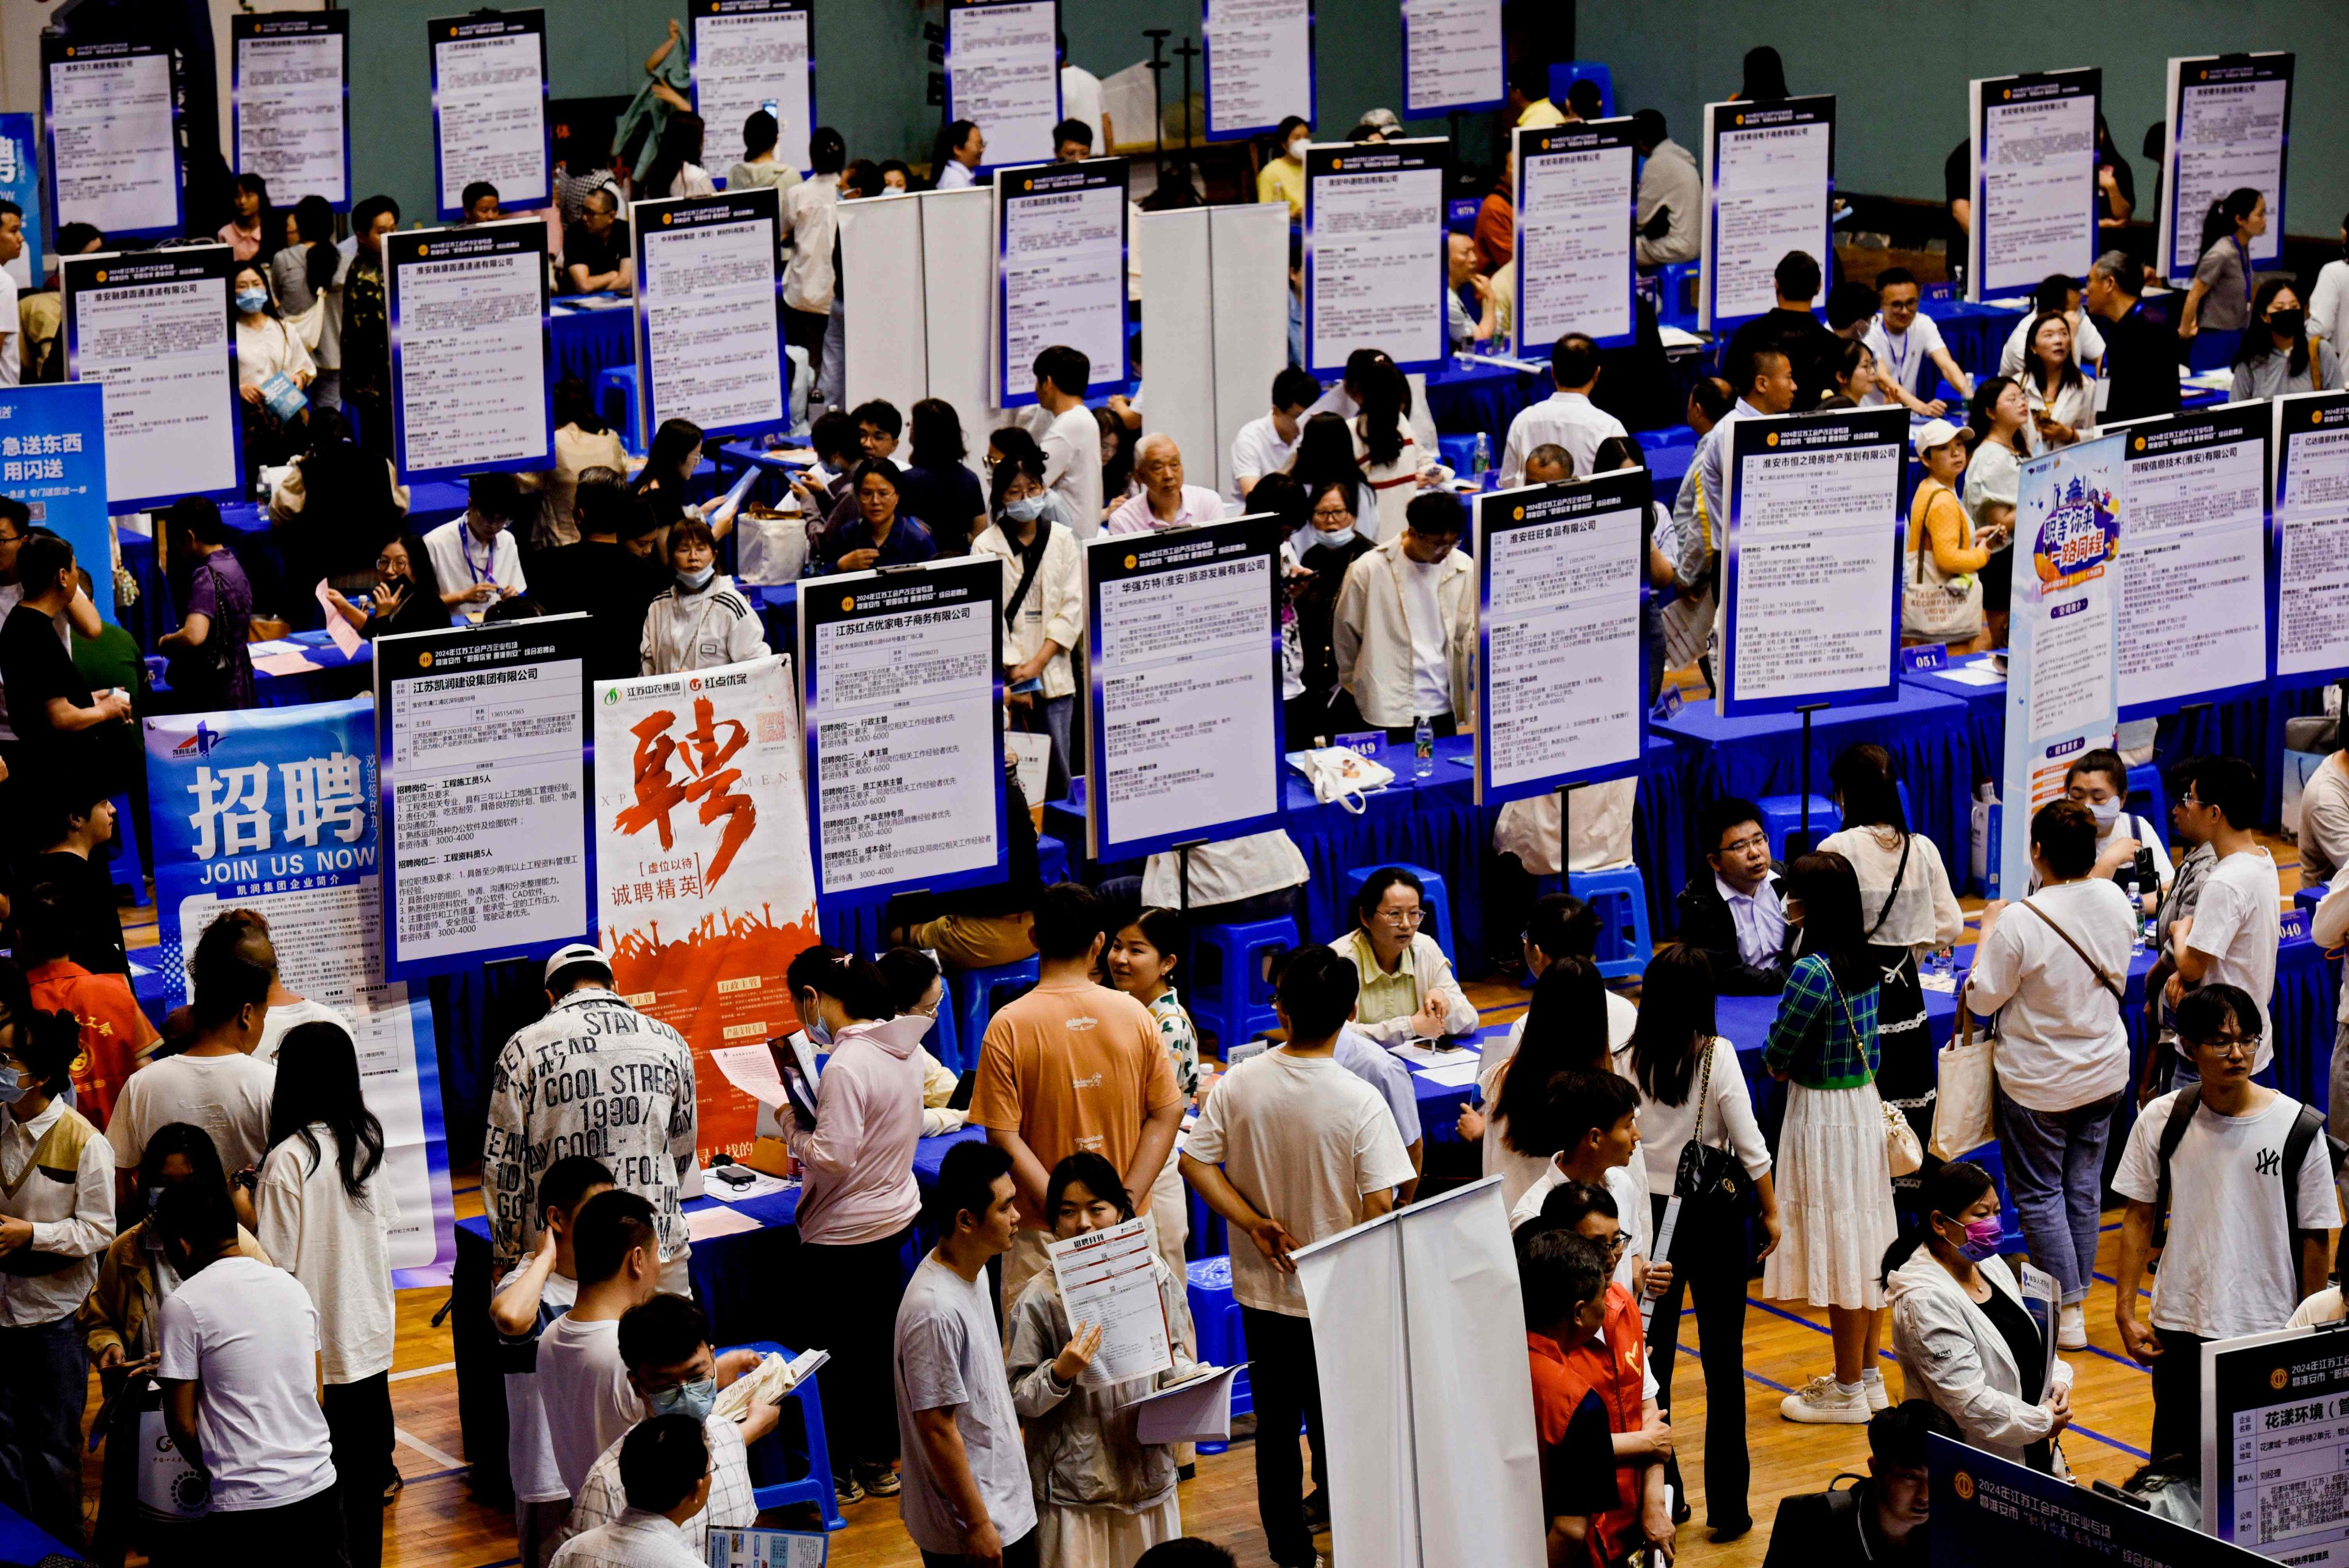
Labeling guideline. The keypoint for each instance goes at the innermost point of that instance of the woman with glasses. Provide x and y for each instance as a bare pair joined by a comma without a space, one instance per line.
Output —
407,594
1325,549
1408,990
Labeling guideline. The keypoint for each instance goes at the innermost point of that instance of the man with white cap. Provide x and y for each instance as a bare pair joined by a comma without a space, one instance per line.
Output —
596,1077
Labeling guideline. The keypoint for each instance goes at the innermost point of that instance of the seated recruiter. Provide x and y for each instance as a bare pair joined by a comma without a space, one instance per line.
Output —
876,536
2275,357
407,594
1404,629
475,556
1732,911
1906,344
597,258
1072,141
961,148
479,204
1164,502
2129,847
701,622
1408,990
1885,1521
1670,200
2056,296
1465,326
1282,178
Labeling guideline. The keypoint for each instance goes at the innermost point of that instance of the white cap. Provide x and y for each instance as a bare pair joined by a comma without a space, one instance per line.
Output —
1932,434
573,955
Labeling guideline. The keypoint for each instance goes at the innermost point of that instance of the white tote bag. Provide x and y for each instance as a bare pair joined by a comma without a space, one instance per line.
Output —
1964,1076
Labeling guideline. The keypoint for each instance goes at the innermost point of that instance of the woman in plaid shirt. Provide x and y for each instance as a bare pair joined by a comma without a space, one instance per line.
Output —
1835,1182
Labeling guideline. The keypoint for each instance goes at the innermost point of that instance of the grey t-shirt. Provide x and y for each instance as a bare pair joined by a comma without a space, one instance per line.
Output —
949,1355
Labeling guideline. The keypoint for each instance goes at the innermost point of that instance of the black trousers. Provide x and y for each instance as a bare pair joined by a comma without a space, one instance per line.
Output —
309,1531
1711,1263
2178,1394
1020,1553
358,1419
854,1317
804,330
1287,1389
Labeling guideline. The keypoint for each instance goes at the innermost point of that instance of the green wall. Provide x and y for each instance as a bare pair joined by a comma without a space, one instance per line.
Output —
1899,72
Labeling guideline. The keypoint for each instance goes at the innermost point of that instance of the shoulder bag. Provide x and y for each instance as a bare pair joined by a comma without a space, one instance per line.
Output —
1901,1147
1712,1181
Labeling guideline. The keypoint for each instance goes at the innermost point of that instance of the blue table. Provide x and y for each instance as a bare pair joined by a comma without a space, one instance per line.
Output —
337,676
1469,393
22,1542
587,341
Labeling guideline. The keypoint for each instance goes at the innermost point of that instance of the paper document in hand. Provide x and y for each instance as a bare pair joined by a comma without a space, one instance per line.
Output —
1196,1410
752,1069
767,1548
344,635
768,1382
2043,1298
1108,1278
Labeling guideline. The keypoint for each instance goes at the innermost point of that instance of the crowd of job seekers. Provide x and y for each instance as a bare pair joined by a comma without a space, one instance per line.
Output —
209,1232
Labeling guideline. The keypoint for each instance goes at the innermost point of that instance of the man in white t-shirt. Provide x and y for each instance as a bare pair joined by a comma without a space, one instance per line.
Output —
214,1083
1567,418
1289,1148
2230,938
475,556
239,1366
1070,437
12,245
1906,344
1266,445
2244,1248
1596,1117
528,1299
583,1383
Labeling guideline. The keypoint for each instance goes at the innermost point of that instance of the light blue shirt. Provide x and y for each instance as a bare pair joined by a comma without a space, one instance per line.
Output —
1761,921
1385,1072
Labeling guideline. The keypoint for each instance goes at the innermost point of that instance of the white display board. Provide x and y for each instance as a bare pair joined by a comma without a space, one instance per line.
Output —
709,344
1214,317
1258,56
470,349
1059,272
2033,150
290,94
1374,253
110,123
1003,74
919,306
1576,198
1769,188
2309,544
2228,119
750,55
488,109
154,329
1454,57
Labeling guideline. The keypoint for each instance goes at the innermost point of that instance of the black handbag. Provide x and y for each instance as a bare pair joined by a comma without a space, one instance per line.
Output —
1711,1183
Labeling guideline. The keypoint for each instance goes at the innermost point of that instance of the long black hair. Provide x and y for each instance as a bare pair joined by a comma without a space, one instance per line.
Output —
1676,1024
1832,926
665,462
1097,1175
1981,416
2220,222
1862,775
1949,1191
318,1085
1386,410
2260,340
314,220
680,144
2035,369
1325,455
1566,1031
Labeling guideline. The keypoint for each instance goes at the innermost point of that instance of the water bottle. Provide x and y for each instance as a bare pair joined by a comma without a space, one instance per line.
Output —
1423,747
2137,940
1483,455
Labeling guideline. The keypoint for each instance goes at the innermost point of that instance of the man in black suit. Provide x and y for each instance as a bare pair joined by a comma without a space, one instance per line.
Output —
1884,1522
2141,351
1730,909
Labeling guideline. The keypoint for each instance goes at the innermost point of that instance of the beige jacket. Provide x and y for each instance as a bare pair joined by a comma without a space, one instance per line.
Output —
1371,634
1055,604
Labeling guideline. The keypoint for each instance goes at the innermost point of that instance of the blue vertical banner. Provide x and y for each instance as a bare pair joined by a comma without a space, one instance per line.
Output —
52,459
274,810
20,181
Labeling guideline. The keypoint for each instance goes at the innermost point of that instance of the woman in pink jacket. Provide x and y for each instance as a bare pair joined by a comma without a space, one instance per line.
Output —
858,1202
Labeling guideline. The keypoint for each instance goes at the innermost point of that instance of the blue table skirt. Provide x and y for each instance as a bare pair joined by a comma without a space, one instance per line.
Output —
585,341
1976,334
1470,394
22,1540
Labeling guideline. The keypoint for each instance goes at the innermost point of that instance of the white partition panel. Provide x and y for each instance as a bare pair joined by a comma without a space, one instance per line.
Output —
888,349
1250,315
959,286
1179,307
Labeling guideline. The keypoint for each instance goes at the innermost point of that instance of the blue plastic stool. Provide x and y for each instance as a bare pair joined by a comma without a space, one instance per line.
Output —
772,1454
1564,74
1457,453
1216,1322
620,378
2145,779
1679,281
1782,814
974,993
1230,998
1051,859
124,867
1435,897
1619,898
1989,1158
944,1040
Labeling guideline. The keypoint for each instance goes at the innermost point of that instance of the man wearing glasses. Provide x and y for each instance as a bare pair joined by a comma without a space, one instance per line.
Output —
1732,910
2247,1186
1408,990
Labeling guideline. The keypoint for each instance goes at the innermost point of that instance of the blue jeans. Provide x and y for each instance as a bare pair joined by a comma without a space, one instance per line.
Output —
44,1382
2056,1173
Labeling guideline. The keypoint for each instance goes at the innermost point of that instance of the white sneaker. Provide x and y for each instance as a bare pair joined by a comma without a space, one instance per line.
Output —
1820,1402
2071,1332
1872,1385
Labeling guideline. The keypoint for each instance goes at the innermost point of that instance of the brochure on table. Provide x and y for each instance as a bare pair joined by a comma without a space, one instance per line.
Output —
904,697
1256,60
2063,679
482,735
1375,268
1576,197
155,329
2228,121
709,312
1818,513
1558,684
1003,74
1454,57
750,55
2308,550
470,349
289,98
52,460
1059,272
1184,651
2194,597
1990,1509
488,109
2275,1444
2034,148
110,116
1769,188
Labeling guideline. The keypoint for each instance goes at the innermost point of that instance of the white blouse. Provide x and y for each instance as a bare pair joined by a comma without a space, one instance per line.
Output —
1728,1112
1924,912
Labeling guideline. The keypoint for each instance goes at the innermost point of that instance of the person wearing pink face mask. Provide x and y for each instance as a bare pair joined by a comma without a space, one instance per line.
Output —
1959,1328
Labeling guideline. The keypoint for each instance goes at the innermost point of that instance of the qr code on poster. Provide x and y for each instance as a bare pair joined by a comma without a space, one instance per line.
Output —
774,726
2288,1508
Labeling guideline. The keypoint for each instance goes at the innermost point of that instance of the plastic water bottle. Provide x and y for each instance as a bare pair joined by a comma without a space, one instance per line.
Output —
1483,454
2137,940
1423,747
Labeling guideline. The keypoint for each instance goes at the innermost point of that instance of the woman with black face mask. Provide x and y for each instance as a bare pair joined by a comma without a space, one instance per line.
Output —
2275,356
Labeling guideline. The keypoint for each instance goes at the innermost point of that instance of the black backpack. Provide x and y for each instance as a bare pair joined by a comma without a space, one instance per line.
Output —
2306,1128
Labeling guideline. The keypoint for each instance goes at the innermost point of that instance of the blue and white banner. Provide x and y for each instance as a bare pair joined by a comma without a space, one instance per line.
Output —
1059,272
2063,658
753,55
709,312
111,111
20,181
2033,147
289,104
1990,1509
1374,253
274,810
1769,188
470,349
2308,539
1455,57
2229,122
1003,74
52,459
1576,198
488,109
156,329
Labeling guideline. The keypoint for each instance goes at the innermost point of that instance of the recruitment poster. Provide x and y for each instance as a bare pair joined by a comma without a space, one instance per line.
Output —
1455,57
753,55
1258,56
274,810
1577,195
290,103
1059,272
470,349
2229,120
482,739
1182,646
52,460
2062,682
20,181
2198,526
112,113
154,330
2035,180
904,699
1374,253
488,109
2276,1447
2308,548
1990,1509
1558,572
1003,74
1769,188
709,315
1816,516
701,864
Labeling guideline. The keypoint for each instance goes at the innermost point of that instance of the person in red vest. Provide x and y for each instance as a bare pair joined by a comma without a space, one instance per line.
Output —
116,1036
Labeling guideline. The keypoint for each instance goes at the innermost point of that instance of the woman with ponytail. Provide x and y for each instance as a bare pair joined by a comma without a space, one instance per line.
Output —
1959,1328
2220,298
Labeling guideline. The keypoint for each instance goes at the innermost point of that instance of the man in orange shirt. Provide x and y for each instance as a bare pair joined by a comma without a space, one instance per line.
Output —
1072,1065
1562,1281
116,1037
